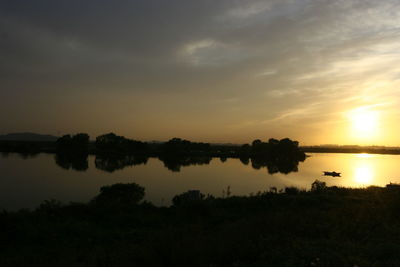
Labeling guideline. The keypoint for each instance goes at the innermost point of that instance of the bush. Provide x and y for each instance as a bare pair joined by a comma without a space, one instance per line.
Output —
187,197
292,190
120,195
50,207
318,186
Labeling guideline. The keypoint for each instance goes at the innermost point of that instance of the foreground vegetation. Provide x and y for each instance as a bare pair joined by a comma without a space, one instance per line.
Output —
326,226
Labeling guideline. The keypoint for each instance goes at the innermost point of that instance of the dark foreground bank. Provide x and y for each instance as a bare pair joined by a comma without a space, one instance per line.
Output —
327,226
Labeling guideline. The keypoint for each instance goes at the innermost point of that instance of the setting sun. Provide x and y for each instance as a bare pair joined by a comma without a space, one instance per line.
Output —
364,123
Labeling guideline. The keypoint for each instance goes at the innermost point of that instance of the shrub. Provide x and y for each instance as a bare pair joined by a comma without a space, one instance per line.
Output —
119,194
50,207
291,190
187,197
318,186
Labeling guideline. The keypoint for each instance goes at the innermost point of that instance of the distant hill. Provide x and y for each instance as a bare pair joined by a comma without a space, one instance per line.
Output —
28,137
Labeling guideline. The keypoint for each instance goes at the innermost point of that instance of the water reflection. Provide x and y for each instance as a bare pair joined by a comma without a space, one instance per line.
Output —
365,155
360,167
74,161
23,155
107,163
363,174
284,166
43,179
357,170
113,163
364,169
174,163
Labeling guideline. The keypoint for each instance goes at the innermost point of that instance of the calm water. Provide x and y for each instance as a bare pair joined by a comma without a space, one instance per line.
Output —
26,182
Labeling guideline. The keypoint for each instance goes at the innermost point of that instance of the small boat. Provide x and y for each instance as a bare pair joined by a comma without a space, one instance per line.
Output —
333,174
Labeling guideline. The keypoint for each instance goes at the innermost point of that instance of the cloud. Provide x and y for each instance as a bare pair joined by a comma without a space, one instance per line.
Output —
278,59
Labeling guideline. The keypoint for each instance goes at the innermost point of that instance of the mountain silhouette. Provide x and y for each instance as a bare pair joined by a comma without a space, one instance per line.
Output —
27,137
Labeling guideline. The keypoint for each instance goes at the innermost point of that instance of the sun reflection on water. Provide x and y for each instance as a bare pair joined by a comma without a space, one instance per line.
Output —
364,174
365,155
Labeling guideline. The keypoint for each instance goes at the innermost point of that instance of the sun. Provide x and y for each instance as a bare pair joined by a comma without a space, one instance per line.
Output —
364,123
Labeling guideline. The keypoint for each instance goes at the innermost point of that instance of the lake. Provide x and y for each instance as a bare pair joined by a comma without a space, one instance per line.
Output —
25,181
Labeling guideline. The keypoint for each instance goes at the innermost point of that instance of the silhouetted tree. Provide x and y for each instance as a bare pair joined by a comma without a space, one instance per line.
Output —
181,146
77,143
64,141
187,197
50,207
80,140
112,143
273,142
276,155
291,190
245,150
72,152
109,141
244,160
318,186
119,195
256,142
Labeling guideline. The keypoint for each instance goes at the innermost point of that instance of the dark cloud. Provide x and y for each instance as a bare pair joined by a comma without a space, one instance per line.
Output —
253,62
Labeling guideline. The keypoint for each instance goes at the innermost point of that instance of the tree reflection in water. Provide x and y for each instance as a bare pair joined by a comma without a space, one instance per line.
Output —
116,162
28,155
174,163
79,162
74,161
285,166
280,164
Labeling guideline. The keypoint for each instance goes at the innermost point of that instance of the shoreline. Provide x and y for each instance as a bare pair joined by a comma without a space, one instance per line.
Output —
228,151
351,151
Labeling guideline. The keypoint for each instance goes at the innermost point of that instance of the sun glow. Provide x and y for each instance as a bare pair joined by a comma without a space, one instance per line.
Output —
364,123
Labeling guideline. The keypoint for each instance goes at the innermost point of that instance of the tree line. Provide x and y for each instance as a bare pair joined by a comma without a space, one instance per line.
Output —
112,144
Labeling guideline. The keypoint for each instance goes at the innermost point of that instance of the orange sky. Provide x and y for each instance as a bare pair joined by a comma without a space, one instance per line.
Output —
321,72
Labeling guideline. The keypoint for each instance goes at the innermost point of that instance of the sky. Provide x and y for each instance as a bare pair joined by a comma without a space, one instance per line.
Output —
317,71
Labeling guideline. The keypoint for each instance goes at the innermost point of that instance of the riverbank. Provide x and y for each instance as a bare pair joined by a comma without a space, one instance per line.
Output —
327,226
352,149
214,150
